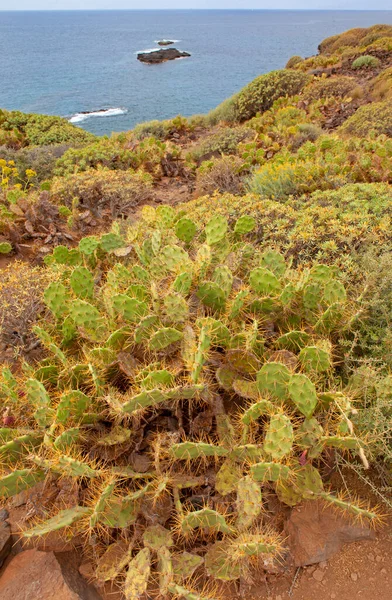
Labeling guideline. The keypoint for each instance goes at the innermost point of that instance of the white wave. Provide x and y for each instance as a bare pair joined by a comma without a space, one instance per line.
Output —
107,112
167,40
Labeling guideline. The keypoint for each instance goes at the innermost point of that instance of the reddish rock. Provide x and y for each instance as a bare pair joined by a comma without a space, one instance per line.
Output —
35,575
316,532
5,541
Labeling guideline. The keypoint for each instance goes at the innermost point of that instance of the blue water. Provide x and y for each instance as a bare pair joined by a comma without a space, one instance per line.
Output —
62,63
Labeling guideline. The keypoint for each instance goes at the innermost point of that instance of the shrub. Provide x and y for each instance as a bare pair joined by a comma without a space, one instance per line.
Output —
41,159
335,43
192,317
373,118
327,225
327,164
366,62
19,129
259,95
293,62
225,141
103,153
114,192
157,129
337,87
220,174
381,86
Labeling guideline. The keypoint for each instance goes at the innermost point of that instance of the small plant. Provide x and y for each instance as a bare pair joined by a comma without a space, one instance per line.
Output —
366,62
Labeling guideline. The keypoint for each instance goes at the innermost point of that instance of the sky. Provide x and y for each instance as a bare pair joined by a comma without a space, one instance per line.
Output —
173,4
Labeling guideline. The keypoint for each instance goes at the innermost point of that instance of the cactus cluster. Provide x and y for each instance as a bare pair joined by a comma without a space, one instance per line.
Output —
210,360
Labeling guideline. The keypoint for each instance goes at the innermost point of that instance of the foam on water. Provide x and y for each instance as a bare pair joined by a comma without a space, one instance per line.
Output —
108,112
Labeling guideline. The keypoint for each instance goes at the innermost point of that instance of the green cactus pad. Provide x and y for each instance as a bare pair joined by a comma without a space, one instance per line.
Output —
19,480
246,389
163,338
82,283
225,376
138,575
88,245
248,502
264,282
212,295
302,392
173,258
274,262
270,471
334,291
218,564
274,378
256,410
293,340
244,225
176,308
243,361
130,309
85,315
156,537
313,358
185,230
111,241
185,564
279,437
65,518
56,299
223,277
192,450
183,283
227,478
206,518
216,229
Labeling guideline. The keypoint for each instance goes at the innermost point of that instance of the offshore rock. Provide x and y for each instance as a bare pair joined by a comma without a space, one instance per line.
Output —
160,56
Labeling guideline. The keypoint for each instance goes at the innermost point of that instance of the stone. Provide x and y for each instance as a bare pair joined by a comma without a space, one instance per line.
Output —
4,514
318,575
316,532
40,575
5,541
165,43
354,576
160,56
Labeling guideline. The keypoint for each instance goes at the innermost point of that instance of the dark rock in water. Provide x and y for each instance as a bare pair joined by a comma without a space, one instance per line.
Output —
159,56
165,43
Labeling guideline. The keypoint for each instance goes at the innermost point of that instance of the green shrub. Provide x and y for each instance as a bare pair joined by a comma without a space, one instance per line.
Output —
327,164
259,95
41,159
366,62
381,86
293,62
220,174
157,129
100,190
375,118
224,141
23,129
329,225
336,87
335,43
103,153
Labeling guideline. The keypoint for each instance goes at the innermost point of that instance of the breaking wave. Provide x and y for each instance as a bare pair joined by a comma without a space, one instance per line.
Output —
106,112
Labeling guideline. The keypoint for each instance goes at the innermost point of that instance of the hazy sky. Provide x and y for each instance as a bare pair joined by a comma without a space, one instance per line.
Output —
132,4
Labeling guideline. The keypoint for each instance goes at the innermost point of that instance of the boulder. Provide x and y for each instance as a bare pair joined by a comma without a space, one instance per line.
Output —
316,532
39,575
5,541
160,56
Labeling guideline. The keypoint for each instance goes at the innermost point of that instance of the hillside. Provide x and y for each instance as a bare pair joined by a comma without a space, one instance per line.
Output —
195,330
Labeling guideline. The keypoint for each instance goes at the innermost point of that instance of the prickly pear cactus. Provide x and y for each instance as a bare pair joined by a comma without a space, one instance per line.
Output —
182,378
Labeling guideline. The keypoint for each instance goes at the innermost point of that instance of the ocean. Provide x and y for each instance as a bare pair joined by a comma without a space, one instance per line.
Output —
69,62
